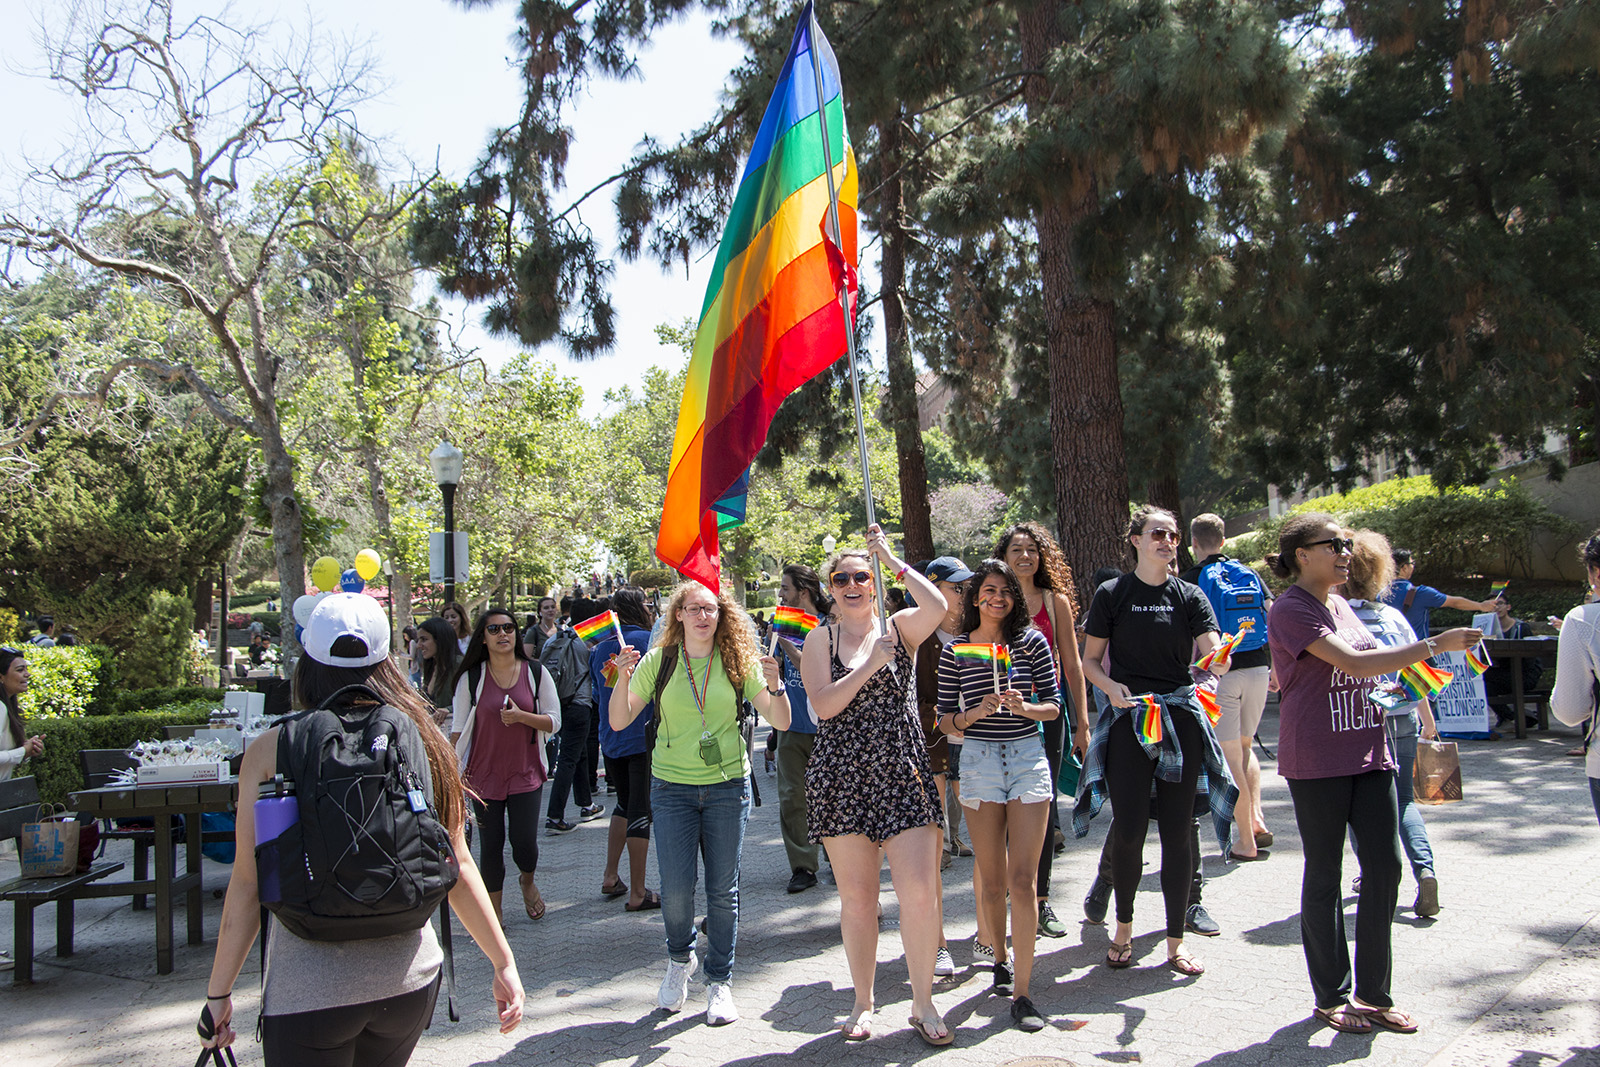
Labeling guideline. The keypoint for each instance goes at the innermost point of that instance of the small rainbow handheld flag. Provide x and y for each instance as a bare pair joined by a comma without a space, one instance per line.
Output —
983,653
1147,718
793,623
610,673
1208,703
1423,679
603,626
1478,659
1497,589
1225,650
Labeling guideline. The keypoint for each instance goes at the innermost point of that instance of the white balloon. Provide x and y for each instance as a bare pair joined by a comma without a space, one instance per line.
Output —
303,607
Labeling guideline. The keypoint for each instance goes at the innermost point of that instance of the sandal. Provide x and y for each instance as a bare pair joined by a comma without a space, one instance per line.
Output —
1343,1018
1391,1019
1120,956
926,1031
613,889
1186,964
651,902
857,1027
531,898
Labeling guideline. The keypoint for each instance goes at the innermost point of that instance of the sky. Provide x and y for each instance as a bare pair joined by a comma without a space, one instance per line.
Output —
446,79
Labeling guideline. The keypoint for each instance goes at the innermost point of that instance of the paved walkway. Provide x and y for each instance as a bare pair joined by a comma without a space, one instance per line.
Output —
1508,974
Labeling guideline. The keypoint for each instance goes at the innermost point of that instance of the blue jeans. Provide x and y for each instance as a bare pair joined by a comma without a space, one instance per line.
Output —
1413,834
693,821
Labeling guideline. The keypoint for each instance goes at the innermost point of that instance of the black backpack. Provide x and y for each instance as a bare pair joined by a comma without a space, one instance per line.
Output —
566,656
369,856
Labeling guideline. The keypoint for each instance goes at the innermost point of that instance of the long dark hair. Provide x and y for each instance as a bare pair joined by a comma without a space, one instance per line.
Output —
477,653
8,656
315,682
808,581
439,673
629,604
1016,622
461,613
1054,572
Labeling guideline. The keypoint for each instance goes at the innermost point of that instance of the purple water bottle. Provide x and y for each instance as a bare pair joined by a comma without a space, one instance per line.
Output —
276,811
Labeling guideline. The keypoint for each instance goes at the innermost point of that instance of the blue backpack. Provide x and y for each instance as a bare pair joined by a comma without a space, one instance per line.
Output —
1236,594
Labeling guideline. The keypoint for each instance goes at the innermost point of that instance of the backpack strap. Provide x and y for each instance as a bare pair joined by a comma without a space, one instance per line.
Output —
664,669
449,962
1411,595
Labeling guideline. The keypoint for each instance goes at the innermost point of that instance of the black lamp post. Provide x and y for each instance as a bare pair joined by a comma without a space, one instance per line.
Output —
447,460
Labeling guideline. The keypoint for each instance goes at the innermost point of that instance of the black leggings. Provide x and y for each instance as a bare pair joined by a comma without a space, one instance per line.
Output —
381,1033
1129,773
521,810
630,779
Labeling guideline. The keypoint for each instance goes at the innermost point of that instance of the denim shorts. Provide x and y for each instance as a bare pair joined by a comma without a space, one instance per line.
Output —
998,771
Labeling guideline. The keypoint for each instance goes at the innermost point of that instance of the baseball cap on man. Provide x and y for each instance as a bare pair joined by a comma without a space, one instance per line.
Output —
947,569
347,615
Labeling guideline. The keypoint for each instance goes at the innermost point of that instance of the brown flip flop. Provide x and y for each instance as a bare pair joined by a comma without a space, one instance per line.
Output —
531,899
1343,1018
1391,1019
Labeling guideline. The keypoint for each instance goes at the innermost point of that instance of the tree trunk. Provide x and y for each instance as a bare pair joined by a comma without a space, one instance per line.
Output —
901,402
288,531
1088,460
1162,490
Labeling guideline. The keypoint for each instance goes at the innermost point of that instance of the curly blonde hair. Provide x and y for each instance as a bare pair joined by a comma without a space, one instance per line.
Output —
735,638
1371,566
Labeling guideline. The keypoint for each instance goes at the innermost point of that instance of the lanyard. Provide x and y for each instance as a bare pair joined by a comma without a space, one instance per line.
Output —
701,689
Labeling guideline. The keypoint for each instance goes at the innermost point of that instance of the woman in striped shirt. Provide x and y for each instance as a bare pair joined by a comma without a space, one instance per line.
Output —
1005,778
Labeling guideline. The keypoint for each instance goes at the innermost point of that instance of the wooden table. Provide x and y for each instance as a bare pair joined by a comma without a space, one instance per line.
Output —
1503,649
161,803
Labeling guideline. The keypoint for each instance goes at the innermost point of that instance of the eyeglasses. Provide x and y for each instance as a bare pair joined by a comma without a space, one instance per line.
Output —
1342,546
1159,534
701,611
501,628
840,579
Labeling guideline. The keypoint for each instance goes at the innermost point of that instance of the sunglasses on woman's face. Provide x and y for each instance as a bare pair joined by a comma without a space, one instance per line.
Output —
500,628
1158,534
840,579
1342,546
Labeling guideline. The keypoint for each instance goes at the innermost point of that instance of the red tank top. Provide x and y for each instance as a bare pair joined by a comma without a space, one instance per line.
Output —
1041,622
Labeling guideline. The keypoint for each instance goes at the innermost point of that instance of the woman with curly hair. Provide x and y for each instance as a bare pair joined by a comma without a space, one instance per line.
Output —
703,671
1048,589
1333,750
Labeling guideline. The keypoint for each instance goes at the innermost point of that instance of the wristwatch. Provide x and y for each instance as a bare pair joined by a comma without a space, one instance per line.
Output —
778,692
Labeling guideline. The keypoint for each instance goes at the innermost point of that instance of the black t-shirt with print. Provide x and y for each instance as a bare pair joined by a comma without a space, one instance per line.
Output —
1151,630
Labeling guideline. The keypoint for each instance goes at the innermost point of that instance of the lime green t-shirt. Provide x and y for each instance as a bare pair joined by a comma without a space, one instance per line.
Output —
677,753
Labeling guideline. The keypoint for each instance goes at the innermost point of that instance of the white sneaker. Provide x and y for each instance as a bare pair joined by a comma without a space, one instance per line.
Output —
944,964
675,986
720,1008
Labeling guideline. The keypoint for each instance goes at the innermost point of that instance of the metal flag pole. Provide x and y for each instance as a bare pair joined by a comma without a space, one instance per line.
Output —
844,305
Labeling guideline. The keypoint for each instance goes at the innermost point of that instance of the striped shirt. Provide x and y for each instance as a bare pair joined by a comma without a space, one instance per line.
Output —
964,681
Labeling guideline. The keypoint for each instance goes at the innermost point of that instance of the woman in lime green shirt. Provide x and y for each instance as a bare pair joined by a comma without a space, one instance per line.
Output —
705,666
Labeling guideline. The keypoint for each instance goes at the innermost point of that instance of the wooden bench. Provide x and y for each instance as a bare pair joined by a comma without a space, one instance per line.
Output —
19,804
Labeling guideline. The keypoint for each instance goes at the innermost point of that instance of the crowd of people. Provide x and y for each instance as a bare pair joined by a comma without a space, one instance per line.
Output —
969,705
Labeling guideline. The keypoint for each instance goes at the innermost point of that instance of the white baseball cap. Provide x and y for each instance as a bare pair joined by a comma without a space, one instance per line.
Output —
347,615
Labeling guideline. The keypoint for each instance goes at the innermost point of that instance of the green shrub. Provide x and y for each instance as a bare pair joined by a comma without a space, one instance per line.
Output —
159,652
61,681
249,600
8,626
133,700
58,770
108,680
652,578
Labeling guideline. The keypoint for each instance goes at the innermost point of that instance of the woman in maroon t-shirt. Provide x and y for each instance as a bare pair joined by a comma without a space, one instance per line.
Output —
1332,750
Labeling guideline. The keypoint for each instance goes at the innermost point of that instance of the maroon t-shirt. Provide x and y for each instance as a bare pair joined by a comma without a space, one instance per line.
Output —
1328,725
505,759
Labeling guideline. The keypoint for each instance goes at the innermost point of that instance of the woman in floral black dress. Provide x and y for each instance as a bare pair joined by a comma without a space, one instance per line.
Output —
869,784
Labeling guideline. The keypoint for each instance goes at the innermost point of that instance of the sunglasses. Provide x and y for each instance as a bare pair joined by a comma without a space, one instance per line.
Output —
500,628
840,579
1342,546
1159,534
11,650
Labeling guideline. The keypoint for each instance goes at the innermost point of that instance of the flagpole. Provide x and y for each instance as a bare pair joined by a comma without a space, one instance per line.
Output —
844,308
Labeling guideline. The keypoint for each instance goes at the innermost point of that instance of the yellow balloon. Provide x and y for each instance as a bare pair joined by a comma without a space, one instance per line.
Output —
368,564
325,574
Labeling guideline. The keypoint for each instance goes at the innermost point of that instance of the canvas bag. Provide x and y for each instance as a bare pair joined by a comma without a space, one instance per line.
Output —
1436,775
50,846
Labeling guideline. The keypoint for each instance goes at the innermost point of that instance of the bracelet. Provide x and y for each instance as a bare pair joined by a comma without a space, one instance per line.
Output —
1432,651
778,692
901,573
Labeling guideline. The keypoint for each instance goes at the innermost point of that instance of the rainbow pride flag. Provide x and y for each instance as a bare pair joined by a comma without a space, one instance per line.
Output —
603,626
983,653
1423,679
1478,659
1497,589
1225,650
610,673
1147,718
772,318
793,623
1208,703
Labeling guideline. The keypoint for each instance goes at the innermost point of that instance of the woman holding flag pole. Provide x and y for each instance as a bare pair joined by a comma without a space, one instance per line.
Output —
868,784
1153,729
997,683
1333,750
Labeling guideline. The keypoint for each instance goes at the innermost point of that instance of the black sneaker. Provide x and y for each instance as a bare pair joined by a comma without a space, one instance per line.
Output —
1199,921
1002,979
558,826
593,811
1049,925
1026,1016
802,880
1098,900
